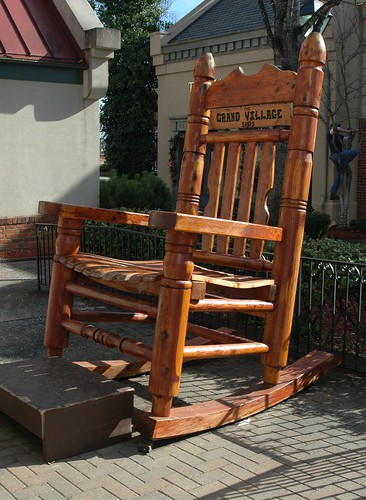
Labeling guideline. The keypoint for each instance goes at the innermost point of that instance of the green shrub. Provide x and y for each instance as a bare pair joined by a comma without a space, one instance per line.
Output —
328,248
358,225
316,224
332,296
143,191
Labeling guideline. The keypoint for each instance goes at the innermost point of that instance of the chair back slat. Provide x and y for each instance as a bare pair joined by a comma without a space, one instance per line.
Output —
214,188
229,191
246,192
265,185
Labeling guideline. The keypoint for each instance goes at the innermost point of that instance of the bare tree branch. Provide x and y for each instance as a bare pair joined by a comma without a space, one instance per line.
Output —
345,84
316,20
266,20
273,5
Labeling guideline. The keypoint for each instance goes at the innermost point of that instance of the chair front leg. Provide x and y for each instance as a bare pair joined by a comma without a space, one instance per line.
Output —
59,308
171,326
60,301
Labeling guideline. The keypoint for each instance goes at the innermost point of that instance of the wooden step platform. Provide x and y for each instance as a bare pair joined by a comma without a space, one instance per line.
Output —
69,408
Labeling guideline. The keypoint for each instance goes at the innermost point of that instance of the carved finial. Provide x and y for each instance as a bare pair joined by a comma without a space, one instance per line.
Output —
313,49
205,67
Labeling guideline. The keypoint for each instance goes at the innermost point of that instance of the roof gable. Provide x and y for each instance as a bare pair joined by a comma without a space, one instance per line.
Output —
33,30
221,18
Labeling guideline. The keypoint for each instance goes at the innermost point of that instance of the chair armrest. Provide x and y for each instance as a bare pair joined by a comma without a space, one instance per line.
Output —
93,214
209,225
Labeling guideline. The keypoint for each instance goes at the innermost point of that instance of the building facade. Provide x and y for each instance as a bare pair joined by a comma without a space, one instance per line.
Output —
233,31
53,71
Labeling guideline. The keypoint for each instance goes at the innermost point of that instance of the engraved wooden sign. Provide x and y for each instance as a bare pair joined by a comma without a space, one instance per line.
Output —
252,116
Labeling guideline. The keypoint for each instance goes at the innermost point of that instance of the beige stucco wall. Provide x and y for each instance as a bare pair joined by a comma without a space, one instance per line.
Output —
343,47
322,173
49,146
49,132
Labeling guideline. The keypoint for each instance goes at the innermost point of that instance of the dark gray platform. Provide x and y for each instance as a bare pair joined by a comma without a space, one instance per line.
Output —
69,408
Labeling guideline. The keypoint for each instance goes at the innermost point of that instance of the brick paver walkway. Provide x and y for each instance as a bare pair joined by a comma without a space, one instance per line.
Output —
312,446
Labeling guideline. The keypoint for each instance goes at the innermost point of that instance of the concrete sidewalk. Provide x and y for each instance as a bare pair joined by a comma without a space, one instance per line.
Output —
311,446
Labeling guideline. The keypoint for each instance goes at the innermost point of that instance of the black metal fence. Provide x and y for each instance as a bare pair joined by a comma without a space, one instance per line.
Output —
330,311
112,241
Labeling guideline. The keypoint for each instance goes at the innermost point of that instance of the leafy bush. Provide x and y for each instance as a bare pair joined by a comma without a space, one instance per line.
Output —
328,248
106,170
358,225
332,303
143,191
316,224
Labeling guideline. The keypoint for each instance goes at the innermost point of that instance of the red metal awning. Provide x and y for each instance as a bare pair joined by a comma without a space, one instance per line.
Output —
33,30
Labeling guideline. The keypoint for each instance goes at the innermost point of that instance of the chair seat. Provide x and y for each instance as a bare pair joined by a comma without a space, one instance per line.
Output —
109,269
150,272
229,280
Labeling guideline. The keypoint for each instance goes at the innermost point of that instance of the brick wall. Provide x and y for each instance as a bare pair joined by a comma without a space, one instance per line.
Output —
18,236
361,178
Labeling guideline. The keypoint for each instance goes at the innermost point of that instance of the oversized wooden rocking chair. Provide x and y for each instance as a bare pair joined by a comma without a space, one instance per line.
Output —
242,118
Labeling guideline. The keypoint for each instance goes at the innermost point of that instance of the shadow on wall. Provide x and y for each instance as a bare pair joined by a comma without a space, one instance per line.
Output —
50,101
18,234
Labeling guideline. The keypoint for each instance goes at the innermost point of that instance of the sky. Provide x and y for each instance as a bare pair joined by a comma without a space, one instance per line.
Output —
180,8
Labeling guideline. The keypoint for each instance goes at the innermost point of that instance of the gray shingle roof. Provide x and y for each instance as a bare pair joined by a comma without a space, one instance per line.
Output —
224,17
